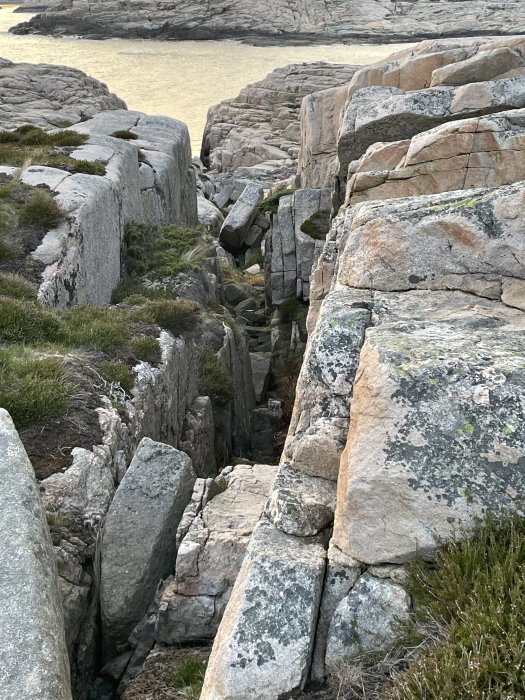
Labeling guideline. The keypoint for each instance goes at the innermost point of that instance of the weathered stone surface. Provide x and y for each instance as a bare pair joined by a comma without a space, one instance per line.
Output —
258,131
481,152
471,241
319,425
138,546
261,363
48,96
389,114
211,554
299,504
33,653
209,215
198,439
264,642
440,387
239,220
298,229
365,619
342,573
315,21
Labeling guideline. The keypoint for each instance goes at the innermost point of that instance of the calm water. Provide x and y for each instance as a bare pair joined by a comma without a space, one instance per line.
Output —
177,79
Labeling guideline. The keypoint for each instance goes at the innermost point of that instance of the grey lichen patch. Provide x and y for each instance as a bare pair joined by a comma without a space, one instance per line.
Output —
463,399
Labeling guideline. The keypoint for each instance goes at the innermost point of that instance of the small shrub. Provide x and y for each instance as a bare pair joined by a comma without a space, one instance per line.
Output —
146,348
270,204
41,210
118,373
124,134
214,379
33,389
475,593
174,315
128,286
16,286
100,328
24,322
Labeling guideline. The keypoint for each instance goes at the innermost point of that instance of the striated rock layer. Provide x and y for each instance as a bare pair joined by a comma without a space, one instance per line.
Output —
304,21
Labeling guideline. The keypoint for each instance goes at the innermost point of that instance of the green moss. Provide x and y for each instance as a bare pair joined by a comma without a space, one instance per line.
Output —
214,379
33,388
476,592
175,315
270,204
317,225
117,373
58,521
146,348
41,210
124,134
16,286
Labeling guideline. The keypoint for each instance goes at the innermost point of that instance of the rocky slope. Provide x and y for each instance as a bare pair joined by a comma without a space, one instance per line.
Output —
300,20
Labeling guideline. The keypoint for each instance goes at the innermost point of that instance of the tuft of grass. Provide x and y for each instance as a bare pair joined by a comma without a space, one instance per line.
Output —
270,204
256,258
174,315
87,167
16,287
97,327
32,388
117,373
188,678
22,321
41,210
214,380
474,594
146,348
124,134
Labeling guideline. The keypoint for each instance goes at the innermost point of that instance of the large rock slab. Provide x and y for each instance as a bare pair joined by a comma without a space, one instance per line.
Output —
481,152
290,20
239,220
472,241
440,387
33,653
264,643
211,553
138,545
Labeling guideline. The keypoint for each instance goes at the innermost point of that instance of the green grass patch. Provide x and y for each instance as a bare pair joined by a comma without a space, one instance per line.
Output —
189,677
32,388
72,165
124,134
16,287
270,204
29,135
117,373
146,348
41,210
475,594
96,327
22,321
174,315
214,380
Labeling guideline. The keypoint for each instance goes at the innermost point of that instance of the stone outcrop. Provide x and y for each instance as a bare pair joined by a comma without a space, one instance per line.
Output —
210,554
257,133
237,224
305,22
49,96
138,544
33,653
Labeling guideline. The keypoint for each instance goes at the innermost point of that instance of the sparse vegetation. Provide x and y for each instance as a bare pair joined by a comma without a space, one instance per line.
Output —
117,373
175,315
289,310
270,204
16,287
23,321
96,327
124,134
474,597
317,225
57,520
33,387
214,379
41,210
146,348
189,677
